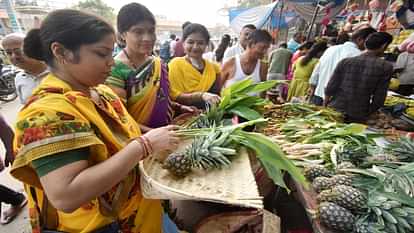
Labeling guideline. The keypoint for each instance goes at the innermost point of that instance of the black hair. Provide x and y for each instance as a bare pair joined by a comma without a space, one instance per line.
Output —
362,33
196,28
316,49
306,45
120,41
71,28
132,14
283,45
259,35
249,26
224,44
173,36
342,38
185,24
377,40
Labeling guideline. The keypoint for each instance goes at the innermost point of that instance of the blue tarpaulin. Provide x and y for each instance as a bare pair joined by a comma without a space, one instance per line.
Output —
257,16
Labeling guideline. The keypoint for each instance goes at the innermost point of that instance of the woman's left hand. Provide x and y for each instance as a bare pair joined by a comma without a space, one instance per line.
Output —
211,98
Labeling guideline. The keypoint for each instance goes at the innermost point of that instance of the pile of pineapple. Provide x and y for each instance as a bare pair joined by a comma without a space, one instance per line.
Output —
345,207
339,202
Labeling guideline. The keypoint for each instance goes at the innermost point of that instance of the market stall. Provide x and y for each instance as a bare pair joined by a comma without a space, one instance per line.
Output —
344,175
358,184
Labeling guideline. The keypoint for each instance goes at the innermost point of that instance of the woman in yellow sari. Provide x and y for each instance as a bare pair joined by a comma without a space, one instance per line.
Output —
194,80
139,77
77,148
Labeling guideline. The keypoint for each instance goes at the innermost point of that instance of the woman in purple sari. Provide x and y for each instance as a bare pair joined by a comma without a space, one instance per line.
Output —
138,77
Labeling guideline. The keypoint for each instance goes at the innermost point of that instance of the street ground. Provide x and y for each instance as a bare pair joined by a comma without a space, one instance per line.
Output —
21,222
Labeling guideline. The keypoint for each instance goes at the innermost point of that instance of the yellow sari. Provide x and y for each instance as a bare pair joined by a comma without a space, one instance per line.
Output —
57,119
184,78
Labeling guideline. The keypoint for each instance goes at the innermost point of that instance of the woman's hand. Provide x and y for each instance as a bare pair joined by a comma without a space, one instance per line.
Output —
163,139
188,109
210,98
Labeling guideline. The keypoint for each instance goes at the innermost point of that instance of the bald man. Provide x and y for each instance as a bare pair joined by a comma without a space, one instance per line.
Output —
32,70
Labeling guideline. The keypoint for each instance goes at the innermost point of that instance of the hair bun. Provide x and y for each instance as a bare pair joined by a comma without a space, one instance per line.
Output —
32,45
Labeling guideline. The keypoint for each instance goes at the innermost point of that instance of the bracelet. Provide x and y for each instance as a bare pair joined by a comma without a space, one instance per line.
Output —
143,146
148,144
146,152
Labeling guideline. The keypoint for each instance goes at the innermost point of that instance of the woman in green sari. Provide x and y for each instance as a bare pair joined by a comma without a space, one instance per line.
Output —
137,76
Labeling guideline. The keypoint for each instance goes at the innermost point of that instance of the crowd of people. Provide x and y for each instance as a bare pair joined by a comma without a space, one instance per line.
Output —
77,142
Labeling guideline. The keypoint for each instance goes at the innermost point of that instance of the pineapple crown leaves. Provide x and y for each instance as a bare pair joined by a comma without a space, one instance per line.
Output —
403,149
391,182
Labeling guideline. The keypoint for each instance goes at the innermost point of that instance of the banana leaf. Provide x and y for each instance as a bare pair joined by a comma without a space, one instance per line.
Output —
246,113
235,88
271,155
225,98
262,86
352,128
247,101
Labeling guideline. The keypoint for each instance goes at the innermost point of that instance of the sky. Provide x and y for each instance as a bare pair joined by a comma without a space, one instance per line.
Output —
197,11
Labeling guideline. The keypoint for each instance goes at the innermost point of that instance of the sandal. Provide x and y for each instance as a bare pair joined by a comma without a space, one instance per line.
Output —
8,215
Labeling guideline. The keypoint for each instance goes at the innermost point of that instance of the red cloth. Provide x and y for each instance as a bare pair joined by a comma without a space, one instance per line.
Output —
179,49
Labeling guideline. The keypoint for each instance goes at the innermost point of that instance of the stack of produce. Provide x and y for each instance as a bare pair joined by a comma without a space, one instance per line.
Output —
381,120
393,100
361,187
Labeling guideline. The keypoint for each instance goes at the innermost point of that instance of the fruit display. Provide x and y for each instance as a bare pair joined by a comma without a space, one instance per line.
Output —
348,170
394,100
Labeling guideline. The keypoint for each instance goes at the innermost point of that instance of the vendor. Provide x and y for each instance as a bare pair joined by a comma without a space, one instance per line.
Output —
358,86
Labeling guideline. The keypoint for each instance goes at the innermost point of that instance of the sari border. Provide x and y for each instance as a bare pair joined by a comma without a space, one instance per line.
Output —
55,145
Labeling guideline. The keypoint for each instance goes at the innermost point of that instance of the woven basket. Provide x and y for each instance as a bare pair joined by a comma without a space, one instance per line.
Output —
234,185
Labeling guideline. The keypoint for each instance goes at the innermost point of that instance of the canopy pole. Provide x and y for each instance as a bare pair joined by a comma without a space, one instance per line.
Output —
315,13
280,19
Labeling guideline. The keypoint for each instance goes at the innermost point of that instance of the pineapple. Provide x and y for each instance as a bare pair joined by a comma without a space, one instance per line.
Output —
314,171
205,152
178,164
341,180
336,217
321,183
345,196
344,165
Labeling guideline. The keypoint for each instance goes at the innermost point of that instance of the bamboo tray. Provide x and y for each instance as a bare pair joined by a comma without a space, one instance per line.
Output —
234,185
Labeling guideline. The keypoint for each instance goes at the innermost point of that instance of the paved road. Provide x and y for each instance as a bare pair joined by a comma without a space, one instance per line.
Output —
21,223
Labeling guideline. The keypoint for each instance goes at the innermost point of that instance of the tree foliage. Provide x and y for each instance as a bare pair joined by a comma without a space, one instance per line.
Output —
252,3
97,7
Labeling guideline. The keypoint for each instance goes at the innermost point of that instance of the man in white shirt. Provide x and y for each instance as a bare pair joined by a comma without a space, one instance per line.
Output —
239,48
32,70
332,56
248,64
